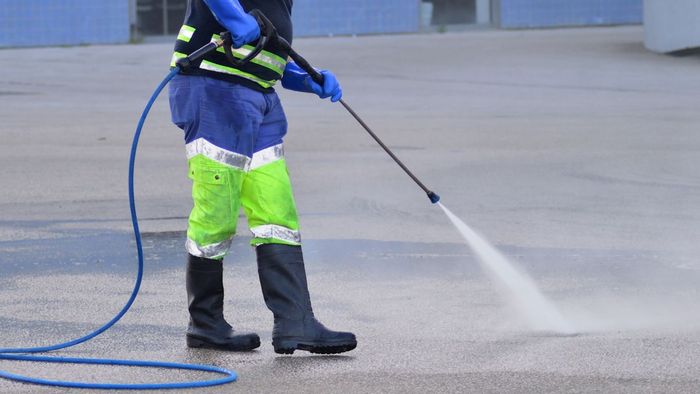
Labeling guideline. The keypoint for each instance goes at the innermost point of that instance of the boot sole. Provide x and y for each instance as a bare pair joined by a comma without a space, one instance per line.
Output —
198,343
288,347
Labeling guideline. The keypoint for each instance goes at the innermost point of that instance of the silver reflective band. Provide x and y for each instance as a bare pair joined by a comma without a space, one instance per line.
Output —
212,251
200,146
277,232
270,61
267,156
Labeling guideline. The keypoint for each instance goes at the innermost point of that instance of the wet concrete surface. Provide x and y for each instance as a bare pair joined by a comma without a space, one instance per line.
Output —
575,151
427,318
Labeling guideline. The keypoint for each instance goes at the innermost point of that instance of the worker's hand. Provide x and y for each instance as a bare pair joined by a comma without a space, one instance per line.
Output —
331,87
295,78
229,13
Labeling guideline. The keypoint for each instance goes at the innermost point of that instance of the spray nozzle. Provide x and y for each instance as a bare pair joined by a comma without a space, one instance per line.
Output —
434,198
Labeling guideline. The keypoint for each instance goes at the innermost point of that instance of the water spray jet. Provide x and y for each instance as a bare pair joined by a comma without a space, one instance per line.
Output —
517,286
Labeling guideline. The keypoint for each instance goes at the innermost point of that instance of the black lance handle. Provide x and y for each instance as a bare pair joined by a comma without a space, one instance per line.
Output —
185,63
267,34
301,62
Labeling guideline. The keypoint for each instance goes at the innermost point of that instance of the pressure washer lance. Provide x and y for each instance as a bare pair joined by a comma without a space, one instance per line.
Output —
318,78
267,33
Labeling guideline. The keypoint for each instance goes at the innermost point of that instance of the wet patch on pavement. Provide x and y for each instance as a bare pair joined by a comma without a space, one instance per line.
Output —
85,251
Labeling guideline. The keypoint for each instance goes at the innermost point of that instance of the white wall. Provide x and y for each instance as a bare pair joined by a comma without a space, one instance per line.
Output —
483,12
671,25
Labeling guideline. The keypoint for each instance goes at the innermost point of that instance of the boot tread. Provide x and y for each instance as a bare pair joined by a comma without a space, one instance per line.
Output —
253,342
317,349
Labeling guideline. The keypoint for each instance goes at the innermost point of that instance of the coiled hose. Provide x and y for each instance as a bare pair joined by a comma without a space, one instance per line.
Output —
27,354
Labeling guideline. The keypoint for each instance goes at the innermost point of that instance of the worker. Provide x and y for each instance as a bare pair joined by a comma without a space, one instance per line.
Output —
234,127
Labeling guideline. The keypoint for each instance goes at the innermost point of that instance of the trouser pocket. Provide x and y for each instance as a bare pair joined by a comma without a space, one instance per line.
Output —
269,205
216,190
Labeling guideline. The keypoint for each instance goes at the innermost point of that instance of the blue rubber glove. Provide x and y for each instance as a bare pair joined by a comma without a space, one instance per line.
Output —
229,13
295,78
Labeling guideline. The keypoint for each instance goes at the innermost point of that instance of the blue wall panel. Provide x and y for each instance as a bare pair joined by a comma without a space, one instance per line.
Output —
550,13
63,22
73,22
329,17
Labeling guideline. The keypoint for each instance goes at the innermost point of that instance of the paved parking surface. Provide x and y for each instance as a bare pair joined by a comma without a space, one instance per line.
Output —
575,151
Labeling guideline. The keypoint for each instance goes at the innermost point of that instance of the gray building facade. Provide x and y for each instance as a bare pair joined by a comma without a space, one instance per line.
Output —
77,22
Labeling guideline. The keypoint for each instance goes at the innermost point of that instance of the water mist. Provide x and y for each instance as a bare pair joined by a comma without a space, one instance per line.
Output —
517,287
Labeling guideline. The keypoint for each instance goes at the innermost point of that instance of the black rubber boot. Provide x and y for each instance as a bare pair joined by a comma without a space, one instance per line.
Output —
205,294
283,283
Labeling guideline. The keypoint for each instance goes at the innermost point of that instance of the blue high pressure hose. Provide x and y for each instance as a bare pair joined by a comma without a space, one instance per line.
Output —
24,354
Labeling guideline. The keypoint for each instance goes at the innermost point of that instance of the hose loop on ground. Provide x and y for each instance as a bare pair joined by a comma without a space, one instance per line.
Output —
26,354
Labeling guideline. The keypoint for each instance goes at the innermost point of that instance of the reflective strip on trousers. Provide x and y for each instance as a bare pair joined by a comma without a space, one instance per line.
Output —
219,190
212,251
268,202
186,33
213,219
209,66
200,146
267,156
271,231
264,58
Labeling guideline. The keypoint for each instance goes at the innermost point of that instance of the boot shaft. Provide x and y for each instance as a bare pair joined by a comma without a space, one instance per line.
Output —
286,293
205,293
205,296
283,281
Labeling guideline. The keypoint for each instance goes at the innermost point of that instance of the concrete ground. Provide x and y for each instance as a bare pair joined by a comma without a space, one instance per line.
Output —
575,151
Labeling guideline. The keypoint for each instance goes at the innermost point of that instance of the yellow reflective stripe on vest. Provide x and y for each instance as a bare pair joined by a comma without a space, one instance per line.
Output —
264,58
176,57
277,60
186,33
209,66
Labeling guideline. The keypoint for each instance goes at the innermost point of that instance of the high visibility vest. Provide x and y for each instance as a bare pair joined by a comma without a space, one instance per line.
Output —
261,73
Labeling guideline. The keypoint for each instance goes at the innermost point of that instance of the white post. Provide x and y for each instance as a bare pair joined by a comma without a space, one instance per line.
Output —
483,12
132,19
165,17
671,26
